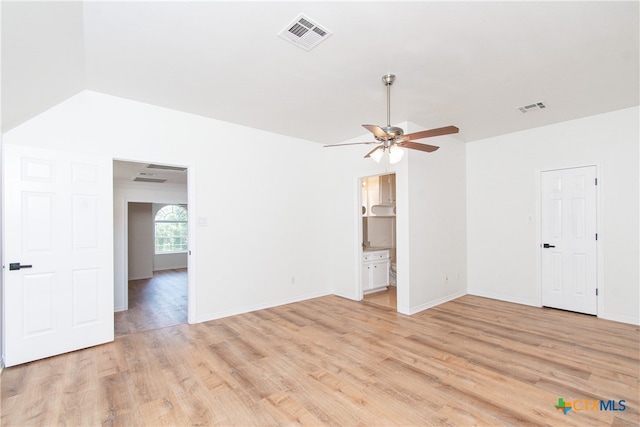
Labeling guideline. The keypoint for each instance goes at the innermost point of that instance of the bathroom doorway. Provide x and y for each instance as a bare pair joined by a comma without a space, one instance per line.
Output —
378,263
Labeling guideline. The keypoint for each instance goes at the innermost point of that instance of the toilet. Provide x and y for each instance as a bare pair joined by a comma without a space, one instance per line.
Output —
392,274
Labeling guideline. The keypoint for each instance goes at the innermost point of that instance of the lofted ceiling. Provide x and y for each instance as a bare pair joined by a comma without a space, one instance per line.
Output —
469,64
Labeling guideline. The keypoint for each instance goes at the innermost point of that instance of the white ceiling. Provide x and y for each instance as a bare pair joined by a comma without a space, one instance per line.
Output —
469,64
126,173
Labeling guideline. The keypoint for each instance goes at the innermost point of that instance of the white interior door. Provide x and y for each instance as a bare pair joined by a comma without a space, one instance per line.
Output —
568,231
58,258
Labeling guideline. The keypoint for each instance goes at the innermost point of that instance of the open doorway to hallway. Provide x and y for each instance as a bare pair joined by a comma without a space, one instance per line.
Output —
151,262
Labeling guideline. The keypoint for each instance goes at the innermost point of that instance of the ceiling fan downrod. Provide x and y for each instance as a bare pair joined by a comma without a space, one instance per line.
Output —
388,80
391,131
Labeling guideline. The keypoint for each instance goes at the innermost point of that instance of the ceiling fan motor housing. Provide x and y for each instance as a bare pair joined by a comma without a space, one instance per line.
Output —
388,79
392,133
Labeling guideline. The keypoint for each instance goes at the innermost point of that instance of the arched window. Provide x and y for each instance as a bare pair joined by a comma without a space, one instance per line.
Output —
171,229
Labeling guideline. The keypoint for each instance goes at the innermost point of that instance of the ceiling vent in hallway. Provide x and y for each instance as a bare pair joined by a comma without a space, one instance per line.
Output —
532,107
167,168
156,180
305,33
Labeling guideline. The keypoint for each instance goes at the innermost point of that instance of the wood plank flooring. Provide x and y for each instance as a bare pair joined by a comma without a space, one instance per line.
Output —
154,303
387,298
331,361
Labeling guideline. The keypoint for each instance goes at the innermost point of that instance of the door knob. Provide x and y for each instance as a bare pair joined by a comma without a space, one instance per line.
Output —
17,266
546,246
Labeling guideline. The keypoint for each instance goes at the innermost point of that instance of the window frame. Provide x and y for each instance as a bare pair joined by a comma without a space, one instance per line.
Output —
183,238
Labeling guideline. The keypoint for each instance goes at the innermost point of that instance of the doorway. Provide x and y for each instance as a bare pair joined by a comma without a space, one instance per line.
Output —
568,231
378,225
152,286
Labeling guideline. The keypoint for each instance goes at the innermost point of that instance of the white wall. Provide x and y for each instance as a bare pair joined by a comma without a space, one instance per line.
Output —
502,188
169,261
140,246
437,224
256,195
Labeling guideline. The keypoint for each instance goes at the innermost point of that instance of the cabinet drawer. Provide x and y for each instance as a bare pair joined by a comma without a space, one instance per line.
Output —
375,255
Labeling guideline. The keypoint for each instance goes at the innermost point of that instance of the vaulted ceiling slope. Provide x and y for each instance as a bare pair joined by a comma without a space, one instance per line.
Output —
470,64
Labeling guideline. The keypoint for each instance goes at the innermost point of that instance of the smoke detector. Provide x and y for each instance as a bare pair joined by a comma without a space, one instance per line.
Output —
532,107
305,33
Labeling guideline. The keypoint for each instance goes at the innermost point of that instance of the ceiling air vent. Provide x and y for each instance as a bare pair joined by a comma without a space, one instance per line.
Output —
167,168
156,180
305,33
532,107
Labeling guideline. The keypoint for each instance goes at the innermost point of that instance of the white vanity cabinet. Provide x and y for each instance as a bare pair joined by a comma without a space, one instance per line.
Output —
375,270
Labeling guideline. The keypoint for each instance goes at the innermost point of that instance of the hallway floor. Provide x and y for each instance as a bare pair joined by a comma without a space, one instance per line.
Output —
154,303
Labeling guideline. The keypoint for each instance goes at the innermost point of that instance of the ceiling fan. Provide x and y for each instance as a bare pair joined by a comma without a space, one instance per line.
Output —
392,139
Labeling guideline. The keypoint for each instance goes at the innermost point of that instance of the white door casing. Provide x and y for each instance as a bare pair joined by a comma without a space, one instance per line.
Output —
57,213
569,240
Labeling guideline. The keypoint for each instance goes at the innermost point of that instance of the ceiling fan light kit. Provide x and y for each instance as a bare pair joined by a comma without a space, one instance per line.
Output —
393,139
395,154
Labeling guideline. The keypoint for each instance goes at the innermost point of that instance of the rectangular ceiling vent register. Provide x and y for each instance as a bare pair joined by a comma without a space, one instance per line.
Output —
532,107
167,168
305,33
156,180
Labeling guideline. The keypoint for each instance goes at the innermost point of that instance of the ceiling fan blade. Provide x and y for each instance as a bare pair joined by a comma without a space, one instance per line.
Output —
447,130
377,131
417,146
351,143
371,152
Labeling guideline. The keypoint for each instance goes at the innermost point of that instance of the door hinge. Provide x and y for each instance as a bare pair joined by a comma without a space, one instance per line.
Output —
596,291
596,236
596,181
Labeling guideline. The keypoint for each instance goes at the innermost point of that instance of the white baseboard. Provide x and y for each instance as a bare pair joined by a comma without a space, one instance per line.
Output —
412,310
606,316
248,309
619,318
430,304
506,298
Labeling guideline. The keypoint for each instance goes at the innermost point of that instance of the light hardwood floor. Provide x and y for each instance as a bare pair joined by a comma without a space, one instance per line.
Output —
387,298
154,303
331,361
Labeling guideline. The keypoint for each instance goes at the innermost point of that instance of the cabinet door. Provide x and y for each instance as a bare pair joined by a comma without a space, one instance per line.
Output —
366,277
388,189
379,274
